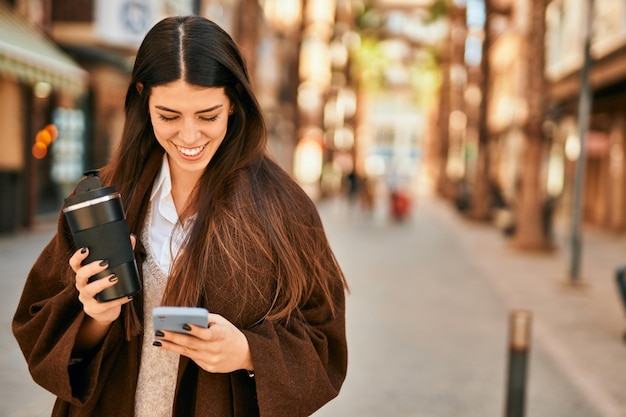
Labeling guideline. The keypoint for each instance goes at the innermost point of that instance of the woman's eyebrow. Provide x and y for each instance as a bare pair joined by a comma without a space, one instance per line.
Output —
198,112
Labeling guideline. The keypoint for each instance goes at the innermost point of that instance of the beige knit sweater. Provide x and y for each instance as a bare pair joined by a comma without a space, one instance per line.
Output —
157,372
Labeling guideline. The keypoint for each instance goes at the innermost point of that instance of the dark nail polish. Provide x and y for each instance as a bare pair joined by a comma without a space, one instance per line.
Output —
156,343
104,262
186,327
83,250
159,333
130,297
114,278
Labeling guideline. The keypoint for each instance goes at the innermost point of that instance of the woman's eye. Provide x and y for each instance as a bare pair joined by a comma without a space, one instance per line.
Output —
166,119
204,119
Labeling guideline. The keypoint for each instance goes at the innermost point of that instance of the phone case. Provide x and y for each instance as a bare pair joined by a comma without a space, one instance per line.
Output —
173,318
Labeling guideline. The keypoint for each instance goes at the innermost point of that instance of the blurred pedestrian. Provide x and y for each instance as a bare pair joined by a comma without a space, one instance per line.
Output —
219,225
352,185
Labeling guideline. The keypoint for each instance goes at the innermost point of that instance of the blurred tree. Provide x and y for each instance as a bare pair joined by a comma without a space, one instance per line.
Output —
451,58
481,197
247,34
443,182
529,230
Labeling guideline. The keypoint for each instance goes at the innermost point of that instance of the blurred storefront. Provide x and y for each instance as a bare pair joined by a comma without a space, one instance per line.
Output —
37,80
604,195
68,64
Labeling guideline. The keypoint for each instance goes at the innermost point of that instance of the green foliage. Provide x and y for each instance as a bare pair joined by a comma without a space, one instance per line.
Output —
438,10
369,63
367,18
425,81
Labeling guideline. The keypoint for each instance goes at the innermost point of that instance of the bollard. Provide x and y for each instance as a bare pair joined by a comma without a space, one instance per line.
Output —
620,280
519,346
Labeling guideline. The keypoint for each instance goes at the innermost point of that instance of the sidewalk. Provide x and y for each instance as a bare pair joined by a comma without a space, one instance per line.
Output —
581,325
19,395
577,363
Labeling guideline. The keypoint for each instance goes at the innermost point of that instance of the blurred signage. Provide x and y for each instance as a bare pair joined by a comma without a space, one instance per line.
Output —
126,22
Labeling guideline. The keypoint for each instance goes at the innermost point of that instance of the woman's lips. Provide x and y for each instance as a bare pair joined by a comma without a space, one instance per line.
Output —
190,152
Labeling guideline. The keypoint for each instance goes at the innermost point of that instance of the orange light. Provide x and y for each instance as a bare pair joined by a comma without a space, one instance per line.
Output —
53,131
39,150
44,137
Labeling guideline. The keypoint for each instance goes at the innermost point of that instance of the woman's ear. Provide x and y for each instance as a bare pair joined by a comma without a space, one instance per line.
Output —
139,87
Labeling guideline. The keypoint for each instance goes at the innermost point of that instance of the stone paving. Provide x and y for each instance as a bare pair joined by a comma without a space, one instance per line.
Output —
428,319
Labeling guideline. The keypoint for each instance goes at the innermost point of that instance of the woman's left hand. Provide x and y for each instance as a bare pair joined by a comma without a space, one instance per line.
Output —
220,348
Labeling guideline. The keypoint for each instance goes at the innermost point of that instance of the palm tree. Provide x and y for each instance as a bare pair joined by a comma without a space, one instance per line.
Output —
247,31
481,198
529,231
443,182
451,58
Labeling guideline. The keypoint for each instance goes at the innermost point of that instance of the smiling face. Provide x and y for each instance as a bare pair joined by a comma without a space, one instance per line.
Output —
190,123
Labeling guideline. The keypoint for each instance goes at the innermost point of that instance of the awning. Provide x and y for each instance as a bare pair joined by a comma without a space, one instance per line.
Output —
31,57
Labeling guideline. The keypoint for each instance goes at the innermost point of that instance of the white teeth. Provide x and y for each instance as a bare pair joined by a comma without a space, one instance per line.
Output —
190,151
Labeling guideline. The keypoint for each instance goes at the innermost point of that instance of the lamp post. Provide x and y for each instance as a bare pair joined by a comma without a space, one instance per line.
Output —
584,108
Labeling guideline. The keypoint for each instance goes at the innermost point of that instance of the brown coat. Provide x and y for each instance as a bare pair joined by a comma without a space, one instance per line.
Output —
298,368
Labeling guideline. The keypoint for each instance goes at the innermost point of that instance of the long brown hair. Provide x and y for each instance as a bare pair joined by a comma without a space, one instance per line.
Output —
246,207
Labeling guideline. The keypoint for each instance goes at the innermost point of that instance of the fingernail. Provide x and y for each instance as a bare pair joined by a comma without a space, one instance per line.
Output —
130,297
159,333
186,327
156,343
83,250
104,262
114,278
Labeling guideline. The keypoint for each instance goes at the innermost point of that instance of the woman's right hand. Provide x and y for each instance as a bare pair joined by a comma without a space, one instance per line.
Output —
99,315
104,313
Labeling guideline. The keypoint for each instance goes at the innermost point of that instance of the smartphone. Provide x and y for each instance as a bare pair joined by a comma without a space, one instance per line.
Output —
173,318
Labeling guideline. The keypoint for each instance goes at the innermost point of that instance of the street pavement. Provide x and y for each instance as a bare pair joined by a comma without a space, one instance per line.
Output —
428,318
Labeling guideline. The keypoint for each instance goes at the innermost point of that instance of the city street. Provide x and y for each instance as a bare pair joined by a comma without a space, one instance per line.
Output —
427,318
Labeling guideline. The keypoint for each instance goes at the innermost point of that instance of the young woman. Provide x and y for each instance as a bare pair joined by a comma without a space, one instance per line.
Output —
218,224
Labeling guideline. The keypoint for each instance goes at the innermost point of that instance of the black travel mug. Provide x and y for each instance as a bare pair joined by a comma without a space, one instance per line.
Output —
97,220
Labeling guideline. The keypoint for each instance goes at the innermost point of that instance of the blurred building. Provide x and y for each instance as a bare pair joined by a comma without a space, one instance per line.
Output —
603,148
38,82
68,63
604,182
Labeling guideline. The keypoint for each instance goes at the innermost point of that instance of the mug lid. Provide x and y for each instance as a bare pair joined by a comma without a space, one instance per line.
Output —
89,198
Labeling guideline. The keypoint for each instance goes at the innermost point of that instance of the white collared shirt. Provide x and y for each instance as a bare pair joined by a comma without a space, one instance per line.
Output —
166,234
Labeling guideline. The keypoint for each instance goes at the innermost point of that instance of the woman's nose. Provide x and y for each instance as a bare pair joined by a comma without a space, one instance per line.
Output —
189,133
